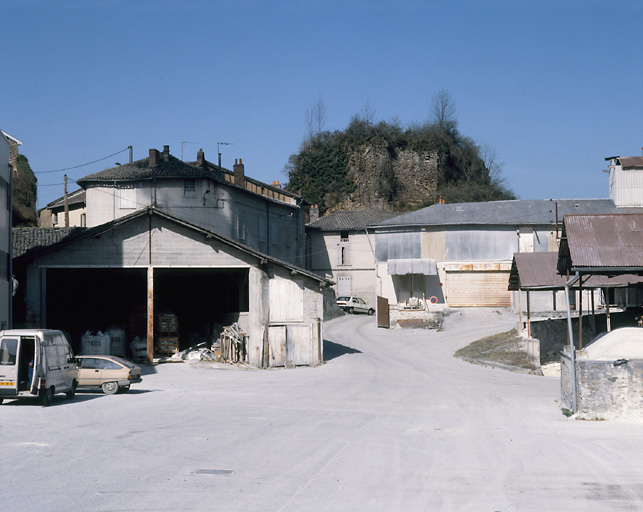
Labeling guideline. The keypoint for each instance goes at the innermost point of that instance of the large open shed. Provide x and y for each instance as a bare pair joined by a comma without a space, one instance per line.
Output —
127,272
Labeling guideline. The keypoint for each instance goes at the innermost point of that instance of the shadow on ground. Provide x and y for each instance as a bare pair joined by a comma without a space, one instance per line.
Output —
333,350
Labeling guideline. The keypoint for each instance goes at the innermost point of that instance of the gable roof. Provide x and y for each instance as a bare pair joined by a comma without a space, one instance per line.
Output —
602,244
350,220
167,167
537,271
78,234
30,239
514,212
630,161
73,198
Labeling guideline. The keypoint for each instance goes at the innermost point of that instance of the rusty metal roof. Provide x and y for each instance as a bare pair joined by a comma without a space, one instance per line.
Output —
537,271
602,244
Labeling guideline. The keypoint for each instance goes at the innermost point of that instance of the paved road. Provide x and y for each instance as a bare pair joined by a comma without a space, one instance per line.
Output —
391,422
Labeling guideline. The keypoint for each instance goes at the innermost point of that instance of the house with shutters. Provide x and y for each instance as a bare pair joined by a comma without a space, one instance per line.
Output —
340,248
263,217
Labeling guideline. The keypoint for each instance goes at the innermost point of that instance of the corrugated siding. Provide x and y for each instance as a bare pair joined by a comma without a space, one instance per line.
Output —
626,187
478,289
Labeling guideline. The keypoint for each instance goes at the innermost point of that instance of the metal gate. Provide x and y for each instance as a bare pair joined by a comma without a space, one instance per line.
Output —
383,315
488,288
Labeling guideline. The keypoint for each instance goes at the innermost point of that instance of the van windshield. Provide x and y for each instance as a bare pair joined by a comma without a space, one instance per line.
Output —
8,351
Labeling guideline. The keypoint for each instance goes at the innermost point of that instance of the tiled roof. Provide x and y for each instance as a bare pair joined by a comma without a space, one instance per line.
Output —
513,213
25,239
351,220
75,197
141,170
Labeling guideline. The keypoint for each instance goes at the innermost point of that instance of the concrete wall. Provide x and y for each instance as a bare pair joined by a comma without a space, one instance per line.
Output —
603,389
324,260
5,233
271,227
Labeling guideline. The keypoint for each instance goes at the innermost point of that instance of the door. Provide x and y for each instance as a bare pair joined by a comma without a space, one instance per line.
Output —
89,373
478,288
343,286
8,366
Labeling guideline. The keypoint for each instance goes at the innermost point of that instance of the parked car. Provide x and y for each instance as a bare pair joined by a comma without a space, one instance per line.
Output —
354,305
111,373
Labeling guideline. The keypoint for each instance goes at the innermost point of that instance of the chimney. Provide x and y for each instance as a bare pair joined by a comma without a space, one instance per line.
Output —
313,213
166,153
154,157
200,158
239,176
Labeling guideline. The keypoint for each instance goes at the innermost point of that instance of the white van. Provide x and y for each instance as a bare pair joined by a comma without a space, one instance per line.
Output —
36,362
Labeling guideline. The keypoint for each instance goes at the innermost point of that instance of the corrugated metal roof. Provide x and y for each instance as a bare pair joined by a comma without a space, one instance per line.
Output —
603,242
631,161
515,213
537,271
351,220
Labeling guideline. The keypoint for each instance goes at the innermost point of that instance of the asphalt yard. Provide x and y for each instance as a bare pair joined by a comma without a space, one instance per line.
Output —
392,421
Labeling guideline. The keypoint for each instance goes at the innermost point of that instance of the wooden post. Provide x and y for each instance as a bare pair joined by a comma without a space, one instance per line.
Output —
528,316
150,314
606,297
66,204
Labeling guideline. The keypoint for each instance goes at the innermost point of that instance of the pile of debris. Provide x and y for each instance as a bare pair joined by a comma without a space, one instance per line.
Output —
231,347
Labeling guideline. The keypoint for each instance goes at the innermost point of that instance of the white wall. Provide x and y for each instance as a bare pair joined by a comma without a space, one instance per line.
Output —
5,234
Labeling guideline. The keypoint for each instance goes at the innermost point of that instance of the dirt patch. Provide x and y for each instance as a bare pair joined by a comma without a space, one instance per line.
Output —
505,349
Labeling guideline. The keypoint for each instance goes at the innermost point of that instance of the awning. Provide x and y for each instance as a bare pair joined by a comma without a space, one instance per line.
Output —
401,267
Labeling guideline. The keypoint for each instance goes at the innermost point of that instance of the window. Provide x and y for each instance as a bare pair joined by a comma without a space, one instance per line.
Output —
8,351
343,235
83,220
263,234
126,197
241,228
189,188
343,254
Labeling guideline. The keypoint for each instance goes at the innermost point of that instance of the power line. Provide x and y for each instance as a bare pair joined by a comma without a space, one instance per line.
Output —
83,165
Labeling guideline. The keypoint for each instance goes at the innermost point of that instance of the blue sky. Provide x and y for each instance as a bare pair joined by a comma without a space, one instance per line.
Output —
553,86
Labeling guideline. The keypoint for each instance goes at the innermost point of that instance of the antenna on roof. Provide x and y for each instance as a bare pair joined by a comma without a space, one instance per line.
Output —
185,142
219,152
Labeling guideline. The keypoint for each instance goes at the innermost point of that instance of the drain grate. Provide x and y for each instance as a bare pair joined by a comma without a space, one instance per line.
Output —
206,471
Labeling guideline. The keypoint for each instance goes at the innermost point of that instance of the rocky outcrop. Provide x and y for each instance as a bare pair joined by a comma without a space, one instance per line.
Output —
390,179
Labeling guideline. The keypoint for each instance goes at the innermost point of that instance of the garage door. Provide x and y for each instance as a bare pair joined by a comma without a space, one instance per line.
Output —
478,289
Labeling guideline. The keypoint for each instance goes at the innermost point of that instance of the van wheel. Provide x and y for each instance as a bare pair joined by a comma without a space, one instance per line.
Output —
72,392
110,388
45,396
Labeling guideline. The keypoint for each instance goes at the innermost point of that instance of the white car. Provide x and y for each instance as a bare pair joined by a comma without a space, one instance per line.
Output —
354,305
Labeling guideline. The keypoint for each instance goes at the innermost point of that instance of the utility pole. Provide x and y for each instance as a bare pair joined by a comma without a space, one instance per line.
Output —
185,142
66,204
131,156
219,152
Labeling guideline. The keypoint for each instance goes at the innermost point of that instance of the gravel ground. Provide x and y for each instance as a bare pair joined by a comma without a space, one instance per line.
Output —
392,421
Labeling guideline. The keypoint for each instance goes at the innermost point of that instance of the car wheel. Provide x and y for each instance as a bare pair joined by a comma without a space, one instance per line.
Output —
371,312
350,311
110,388
72,392
45,396
123,389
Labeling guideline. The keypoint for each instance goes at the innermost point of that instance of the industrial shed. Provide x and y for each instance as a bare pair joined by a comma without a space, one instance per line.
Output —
126,272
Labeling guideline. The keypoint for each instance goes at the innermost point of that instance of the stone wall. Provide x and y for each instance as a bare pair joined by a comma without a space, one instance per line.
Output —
385,179
604,389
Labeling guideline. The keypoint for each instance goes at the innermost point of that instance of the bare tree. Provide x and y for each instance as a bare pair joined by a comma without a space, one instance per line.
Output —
491,161
443,110
368,113
316,118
